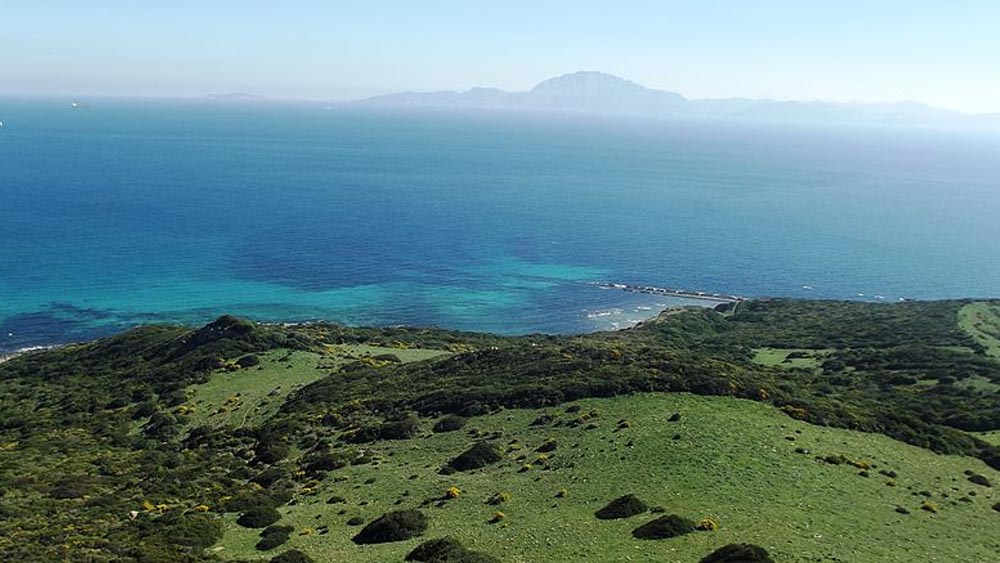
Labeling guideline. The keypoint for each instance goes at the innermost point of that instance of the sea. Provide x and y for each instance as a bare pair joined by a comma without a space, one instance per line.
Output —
121,212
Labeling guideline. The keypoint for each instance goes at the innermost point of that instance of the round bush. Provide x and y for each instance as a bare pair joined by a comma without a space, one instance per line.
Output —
447,550
191,530
664,527
259,517
394,526
980,480
247,361
432,551
549,445
292,556
403,429
738,553
450,423
622,507
479,455
273,536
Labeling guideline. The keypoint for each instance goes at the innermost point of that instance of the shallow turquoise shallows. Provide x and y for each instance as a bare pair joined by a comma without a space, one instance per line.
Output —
119,213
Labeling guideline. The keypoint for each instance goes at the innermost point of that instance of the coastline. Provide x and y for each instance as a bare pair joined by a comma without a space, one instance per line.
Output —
8,356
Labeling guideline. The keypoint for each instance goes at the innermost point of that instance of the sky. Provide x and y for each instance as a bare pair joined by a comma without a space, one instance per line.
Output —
946,54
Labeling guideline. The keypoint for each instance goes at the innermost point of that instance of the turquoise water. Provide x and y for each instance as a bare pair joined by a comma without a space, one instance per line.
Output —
127,212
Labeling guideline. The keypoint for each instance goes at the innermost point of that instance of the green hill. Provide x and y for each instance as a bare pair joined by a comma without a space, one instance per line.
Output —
819,431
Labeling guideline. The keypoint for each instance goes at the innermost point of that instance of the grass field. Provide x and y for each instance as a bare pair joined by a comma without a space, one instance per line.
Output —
728,459
982,321
991,436
778,357
246,397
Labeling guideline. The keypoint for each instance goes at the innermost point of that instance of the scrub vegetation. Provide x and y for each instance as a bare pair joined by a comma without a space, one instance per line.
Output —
786,431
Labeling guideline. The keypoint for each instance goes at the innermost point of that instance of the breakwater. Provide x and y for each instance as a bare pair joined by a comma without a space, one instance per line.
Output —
673,292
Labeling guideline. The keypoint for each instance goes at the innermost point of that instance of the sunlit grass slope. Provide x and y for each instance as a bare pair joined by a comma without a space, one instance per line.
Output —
760,474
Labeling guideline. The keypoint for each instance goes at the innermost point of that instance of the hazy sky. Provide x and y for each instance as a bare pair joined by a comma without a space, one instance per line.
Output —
945,53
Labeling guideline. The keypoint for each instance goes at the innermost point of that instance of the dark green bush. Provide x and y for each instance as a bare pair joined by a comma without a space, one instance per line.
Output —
259,517
433,551
394,526
549,445
195,530
403,429
292,556
479,455
70,490
622,507
738,553
450,423
980,480
271,452
269,476
247,361
447,550
273,536
664,527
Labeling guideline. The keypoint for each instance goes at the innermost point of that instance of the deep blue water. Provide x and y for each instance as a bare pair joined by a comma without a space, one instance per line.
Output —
128,212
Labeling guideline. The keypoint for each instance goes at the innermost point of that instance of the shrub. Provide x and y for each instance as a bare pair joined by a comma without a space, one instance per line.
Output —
453,493
708,524
929,507
432,551
738,553
259,517
328,461
543,419
292,556
450,423
980,480
547,446
355,521
664,527
479,455
269,476
70,490
247,502
247,361
447,550
403,429
394,526
189,530
273,536
622,507
498,498
271,452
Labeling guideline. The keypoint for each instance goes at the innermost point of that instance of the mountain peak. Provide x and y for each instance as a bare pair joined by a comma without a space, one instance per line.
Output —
587,79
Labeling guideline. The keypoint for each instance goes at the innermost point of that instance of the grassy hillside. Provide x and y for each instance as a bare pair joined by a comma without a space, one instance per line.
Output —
732,460
820,431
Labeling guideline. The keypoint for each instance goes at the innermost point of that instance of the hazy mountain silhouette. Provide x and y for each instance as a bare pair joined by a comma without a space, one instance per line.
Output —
600,93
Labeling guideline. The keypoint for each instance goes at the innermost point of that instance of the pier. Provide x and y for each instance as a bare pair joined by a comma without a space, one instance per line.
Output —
672,292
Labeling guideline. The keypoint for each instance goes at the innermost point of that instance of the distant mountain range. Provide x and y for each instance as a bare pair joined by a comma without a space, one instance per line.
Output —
235,97
600,93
